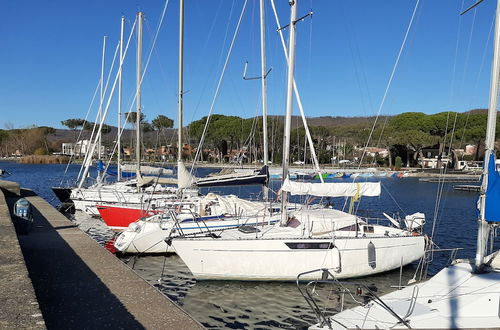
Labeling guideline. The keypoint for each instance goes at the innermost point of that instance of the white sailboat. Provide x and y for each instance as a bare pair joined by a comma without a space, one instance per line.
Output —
139,192
148,235
305,238
465,294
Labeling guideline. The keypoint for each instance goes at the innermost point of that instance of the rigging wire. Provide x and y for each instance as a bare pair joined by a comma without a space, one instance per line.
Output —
81,130
389,82
441,182
212,106
212,67
476,84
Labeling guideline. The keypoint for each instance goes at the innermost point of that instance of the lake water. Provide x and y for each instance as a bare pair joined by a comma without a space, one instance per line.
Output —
256,305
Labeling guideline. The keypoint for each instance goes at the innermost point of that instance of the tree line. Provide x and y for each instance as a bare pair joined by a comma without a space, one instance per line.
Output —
404,135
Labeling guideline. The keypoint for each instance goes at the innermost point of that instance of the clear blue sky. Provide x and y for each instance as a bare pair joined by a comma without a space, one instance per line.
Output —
50,57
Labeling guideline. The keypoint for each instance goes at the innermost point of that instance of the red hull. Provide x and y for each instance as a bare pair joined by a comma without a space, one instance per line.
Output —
119,217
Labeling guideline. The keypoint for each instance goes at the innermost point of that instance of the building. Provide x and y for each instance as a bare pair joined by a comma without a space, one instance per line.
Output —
78,149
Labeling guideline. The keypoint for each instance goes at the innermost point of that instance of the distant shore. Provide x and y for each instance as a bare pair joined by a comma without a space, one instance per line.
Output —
411,172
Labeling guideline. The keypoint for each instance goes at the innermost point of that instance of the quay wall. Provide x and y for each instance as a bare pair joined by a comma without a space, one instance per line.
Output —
18,304
79,284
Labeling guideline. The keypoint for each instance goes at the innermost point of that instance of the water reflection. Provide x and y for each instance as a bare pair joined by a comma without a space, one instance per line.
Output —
260,305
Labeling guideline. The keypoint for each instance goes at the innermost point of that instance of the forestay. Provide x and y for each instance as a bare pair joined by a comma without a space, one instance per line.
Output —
332,189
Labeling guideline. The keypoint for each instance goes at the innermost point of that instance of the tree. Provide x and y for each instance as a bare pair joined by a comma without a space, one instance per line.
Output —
162,122
73,124
132,117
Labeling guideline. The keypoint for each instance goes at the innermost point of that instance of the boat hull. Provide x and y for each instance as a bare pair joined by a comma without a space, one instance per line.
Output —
119,218
275,260
149,236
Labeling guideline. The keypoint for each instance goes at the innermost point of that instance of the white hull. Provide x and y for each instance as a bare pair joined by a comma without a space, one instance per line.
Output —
147,236
271,259
453,298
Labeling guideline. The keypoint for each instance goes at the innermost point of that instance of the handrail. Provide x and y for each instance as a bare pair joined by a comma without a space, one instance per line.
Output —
323,319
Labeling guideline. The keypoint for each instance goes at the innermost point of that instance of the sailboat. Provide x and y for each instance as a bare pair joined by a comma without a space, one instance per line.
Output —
310,237
464,294
143,191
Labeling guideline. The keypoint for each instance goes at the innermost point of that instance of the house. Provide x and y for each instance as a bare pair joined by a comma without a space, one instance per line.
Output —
435,156
76,149
374,151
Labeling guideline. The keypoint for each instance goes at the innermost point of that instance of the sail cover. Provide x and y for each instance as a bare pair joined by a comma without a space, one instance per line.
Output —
185,179
492,204
332,189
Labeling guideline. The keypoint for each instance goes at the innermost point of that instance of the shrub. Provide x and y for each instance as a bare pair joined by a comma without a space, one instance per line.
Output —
398,163
40,151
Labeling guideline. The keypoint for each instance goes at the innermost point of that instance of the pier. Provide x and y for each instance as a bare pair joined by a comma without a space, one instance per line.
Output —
57,277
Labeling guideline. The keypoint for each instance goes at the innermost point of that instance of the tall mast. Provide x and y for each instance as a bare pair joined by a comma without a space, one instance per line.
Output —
181,80
483,228
138,96
99,142
264,91
118,142
289,105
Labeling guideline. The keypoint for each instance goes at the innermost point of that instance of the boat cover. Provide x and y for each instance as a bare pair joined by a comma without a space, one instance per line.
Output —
492,204
232,204
323,221
184,177
332,189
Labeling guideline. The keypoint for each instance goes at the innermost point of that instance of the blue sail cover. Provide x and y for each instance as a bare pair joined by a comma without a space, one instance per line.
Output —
492,204
101,168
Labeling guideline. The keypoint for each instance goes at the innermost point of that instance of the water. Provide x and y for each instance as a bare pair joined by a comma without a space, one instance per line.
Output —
256,305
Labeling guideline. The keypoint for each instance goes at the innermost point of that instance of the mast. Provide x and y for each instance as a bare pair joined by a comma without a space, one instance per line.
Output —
119,145
483,228
264,90
289,106
181,81
138,96
99,116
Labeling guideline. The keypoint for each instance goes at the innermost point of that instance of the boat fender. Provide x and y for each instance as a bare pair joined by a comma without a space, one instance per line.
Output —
372,255
23,220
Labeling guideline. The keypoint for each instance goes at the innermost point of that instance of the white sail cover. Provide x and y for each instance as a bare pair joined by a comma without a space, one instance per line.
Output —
147,169
148,180
232,204
321,221
184,178
332,189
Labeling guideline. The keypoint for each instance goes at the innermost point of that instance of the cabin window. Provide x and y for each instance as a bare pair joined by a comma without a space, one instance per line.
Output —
368,229
310,246
353,227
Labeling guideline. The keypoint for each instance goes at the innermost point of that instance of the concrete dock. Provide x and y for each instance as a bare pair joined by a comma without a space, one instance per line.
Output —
73,282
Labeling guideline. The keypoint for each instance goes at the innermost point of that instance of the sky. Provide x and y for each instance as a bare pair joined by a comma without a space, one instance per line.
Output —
50,58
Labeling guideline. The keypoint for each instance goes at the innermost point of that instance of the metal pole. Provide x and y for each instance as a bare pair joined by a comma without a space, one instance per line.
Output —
263,70
138,86
119,144
181,80
289,106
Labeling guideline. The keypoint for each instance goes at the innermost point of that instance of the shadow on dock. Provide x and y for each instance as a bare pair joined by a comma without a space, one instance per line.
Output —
77,283
69,293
